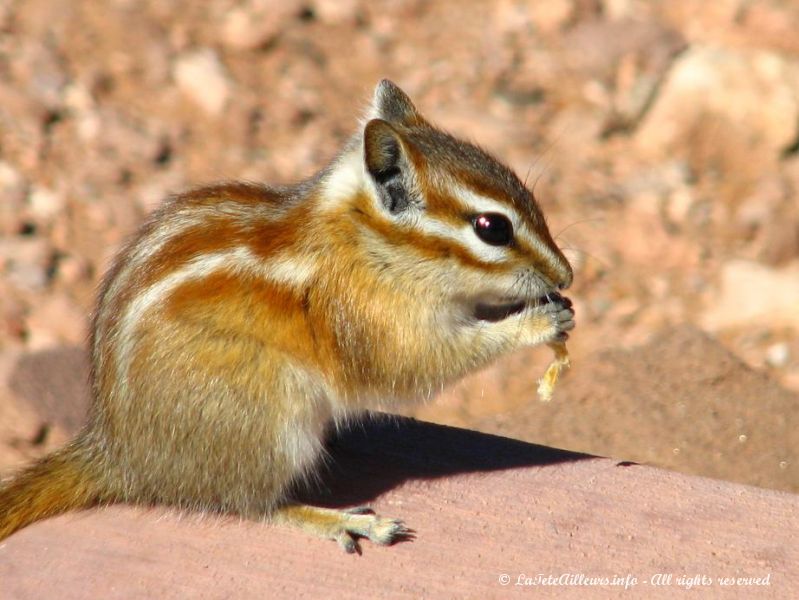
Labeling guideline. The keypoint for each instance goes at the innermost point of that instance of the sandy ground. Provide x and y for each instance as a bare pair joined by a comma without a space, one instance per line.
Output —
661,139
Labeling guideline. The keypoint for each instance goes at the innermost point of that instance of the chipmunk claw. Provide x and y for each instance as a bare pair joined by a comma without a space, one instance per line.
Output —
560,312
362,522
348,543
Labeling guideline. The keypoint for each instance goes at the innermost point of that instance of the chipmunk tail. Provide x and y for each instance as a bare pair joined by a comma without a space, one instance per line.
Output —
59,482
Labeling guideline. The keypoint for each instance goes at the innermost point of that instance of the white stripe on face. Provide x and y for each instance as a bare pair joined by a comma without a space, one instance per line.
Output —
478,203
463,235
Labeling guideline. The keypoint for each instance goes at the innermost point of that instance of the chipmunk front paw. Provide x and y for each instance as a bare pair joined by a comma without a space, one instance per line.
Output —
560,315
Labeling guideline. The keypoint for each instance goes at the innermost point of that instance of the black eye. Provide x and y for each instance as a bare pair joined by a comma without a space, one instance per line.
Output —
493,228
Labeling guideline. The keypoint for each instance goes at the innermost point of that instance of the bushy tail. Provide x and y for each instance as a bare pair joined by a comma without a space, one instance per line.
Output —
57,483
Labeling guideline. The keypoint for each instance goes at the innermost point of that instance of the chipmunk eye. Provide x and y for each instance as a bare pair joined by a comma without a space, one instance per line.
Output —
493,228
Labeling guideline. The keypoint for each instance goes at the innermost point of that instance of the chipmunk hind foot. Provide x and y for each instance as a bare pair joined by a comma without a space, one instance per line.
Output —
346,527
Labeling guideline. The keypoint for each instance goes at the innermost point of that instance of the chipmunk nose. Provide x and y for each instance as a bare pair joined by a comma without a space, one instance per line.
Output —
567,276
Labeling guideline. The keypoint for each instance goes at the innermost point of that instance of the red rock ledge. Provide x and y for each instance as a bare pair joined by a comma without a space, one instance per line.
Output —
494,517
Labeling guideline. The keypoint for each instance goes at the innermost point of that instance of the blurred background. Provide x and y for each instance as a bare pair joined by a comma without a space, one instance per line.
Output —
662,139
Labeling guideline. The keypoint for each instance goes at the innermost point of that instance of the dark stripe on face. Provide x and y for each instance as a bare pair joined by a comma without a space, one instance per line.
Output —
429,246
453,211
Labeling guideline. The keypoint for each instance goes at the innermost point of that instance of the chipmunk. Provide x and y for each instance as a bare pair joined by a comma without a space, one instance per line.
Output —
242,320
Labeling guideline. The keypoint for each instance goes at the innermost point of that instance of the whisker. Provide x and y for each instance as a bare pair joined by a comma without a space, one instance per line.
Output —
529,170
588,254
547,153
578,222
520,284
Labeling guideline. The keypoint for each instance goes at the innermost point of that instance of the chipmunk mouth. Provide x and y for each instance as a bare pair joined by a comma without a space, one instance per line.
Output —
484,311
507,307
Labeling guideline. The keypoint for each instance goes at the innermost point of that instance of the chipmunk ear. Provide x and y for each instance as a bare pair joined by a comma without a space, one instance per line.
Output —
385,155
391,104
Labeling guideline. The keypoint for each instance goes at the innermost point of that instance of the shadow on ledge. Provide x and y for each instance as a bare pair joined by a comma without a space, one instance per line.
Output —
383,451
366,459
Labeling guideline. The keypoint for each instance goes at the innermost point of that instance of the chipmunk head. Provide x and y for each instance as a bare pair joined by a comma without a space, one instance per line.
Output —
446,211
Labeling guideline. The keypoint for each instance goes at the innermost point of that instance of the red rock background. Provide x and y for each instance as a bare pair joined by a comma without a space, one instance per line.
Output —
662,140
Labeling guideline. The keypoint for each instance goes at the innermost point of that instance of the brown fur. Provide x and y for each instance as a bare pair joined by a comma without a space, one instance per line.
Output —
242,320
